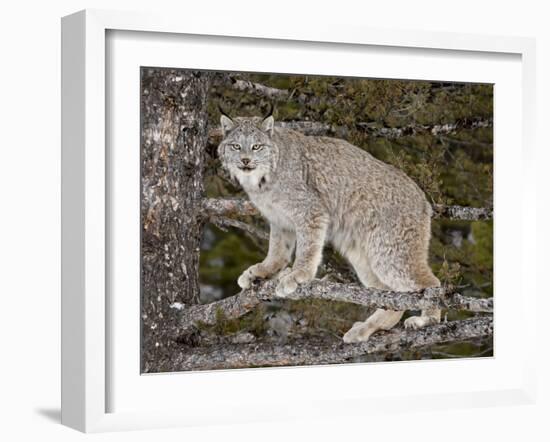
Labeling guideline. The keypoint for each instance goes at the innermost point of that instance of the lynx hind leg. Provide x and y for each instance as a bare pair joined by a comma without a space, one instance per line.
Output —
381,319
424,279
420,278
406,268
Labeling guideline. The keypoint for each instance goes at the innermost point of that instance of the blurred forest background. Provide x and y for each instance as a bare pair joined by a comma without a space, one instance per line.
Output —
451,166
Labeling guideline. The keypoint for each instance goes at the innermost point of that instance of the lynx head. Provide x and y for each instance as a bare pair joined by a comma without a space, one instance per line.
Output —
247,149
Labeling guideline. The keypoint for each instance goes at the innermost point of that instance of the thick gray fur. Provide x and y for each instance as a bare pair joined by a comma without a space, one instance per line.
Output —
318,189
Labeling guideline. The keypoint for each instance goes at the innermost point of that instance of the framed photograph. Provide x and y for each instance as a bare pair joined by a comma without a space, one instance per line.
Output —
288,222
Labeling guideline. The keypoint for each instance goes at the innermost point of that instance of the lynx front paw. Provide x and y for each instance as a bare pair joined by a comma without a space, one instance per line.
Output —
249,275
289,281
360,332
245,280
416,322
287,285
285,272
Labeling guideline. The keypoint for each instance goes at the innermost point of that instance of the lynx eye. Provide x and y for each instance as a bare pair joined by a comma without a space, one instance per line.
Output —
257,147
235,146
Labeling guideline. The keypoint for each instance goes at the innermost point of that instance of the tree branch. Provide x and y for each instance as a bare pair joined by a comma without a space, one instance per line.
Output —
228,207
306,127
254,232
434,129
326,351
236,207
462,213
316,128
245,301
259,89
271,93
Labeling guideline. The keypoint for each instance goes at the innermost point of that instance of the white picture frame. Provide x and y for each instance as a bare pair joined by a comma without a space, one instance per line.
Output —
85,310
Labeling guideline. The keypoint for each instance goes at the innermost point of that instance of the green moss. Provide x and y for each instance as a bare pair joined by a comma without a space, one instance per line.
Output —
483,247
252,322
328,316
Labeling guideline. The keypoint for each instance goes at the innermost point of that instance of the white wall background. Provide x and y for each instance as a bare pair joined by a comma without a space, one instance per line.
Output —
30,214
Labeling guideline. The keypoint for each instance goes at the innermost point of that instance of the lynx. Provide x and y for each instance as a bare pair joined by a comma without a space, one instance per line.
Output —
315,190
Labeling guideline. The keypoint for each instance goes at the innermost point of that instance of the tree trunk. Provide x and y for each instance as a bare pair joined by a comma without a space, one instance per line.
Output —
173,139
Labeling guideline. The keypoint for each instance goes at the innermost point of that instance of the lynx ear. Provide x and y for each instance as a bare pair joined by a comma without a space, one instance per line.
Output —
227,124
268,124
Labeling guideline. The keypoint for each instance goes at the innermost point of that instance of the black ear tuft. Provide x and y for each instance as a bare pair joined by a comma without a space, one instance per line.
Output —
268,125
226,121
268,122
227,124
220,108
270,112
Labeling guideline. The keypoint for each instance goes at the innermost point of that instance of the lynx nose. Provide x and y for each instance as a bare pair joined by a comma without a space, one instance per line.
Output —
245,161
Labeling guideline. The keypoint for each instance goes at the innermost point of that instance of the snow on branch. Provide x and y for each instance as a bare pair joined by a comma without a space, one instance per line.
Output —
245,301
300,352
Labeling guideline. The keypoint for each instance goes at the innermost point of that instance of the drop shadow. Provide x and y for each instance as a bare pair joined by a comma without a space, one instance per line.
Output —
51,414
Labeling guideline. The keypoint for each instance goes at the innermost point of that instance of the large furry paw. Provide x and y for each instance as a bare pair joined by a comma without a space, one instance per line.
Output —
287,285
416,322
360,332
289,281
250,275
285,272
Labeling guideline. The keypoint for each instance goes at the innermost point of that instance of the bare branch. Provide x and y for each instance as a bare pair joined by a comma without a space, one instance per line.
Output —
477,305
228,207
462,213
318,129
236,207
247,300
306,127
434,129
259,89
271,93
373,129
224,223
327,351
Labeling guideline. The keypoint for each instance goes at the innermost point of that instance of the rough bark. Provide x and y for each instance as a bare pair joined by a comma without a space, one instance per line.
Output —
324,129
463,213
228,207
240,207
259,89
324,351
251,231
305,127
173,137
247,300
271,93
434,129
